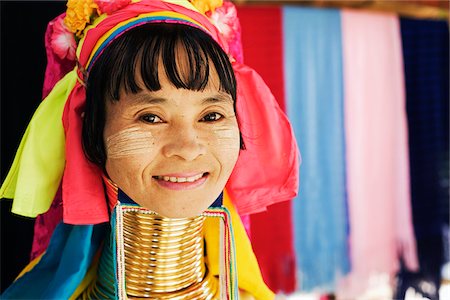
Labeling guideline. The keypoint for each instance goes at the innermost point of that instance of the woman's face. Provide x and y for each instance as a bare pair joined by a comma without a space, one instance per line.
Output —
173,150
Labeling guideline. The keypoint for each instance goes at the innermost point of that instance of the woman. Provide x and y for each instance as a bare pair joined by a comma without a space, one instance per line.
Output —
158,117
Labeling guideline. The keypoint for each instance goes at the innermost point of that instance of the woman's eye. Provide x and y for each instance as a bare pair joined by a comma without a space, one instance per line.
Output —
211,117
149,118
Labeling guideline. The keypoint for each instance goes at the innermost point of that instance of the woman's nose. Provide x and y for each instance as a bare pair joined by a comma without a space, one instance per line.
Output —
184,143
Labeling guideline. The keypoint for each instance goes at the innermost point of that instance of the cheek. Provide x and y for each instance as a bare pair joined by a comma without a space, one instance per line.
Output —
227,145
129,142
128,152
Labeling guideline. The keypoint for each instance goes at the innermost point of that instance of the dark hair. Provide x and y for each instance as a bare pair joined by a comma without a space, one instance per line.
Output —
138,52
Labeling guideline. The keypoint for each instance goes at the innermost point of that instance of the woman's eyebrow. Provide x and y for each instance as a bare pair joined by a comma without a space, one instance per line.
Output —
218,98
146,99
139,99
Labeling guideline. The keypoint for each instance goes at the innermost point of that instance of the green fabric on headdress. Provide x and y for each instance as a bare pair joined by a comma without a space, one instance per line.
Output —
38,166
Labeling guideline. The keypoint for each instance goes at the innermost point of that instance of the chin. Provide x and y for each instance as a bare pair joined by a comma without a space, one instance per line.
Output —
176,207
175,214
175,210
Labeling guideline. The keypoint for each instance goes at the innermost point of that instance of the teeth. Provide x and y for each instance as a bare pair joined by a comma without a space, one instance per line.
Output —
180,179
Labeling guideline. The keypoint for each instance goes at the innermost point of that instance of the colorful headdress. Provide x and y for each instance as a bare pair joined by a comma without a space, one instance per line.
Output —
51,150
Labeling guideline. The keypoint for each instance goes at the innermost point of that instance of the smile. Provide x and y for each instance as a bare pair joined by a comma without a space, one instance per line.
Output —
181,181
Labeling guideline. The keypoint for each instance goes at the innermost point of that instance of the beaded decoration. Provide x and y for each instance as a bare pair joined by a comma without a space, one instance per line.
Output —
228,269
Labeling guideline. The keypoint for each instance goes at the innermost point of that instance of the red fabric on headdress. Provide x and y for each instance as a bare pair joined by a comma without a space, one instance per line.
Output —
84,199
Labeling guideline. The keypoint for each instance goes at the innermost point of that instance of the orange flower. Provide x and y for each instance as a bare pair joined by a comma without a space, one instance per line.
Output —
204,6
79,14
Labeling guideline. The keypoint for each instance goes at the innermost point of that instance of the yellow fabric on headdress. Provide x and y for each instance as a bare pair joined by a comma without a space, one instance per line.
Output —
183,3
249,275
41,143
206,5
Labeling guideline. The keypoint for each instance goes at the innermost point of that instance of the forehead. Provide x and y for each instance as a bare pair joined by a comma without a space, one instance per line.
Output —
182,69
169,93
181,99
145,56
187,70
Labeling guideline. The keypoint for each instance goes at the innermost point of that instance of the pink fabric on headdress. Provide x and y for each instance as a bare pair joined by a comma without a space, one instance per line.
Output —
56,67
226,19
266,173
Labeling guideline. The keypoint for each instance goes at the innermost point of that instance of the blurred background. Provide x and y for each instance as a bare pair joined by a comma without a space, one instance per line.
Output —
366,87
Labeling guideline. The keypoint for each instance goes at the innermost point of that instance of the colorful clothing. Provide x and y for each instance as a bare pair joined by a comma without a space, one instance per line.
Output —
70,262
51,156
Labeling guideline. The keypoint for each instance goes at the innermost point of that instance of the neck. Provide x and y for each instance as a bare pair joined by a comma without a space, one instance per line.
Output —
164,259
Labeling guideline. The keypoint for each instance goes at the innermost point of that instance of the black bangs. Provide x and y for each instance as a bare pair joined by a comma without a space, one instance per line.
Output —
144,50
131,63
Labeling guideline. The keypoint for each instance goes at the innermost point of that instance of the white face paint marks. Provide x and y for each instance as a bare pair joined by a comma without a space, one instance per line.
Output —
227,138
129,142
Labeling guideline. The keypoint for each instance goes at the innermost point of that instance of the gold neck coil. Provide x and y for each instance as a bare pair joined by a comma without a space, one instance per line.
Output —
164,259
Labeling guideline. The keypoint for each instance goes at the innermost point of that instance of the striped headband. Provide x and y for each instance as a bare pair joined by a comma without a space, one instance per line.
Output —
122,27
107,28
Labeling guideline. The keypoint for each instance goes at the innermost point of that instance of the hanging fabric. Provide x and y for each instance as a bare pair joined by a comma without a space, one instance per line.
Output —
271,231
426,58
313,71
377,149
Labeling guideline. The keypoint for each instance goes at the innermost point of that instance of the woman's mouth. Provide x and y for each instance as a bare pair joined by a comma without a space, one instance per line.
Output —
181,181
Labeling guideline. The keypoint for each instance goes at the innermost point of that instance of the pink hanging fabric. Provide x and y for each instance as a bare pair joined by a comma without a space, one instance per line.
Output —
381,229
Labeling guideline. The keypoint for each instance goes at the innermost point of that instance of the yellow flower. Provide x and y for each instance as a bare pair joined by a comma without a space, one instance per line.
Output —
78,15
204,6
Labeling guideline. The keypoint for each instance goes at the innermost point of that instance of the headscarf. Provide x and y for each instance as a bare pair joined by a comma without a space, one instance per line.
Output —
266,172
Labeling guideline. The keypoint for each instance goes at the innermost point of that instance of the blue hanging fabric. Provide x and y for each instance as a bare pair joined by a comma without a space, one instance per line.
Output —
314,90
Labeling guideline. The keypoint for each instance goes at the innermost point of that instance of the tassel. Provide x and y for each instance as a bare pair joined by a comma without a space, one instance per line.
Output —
118,250
228,269
222,262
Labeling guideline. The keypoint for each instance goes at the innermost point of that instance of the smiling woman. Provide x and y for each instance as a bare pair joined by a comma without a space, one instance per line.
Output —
150,156
170,131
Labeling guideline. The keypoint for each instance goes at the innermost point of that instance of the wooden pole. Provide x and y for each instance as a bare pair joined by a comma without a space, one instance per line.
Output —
421,9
